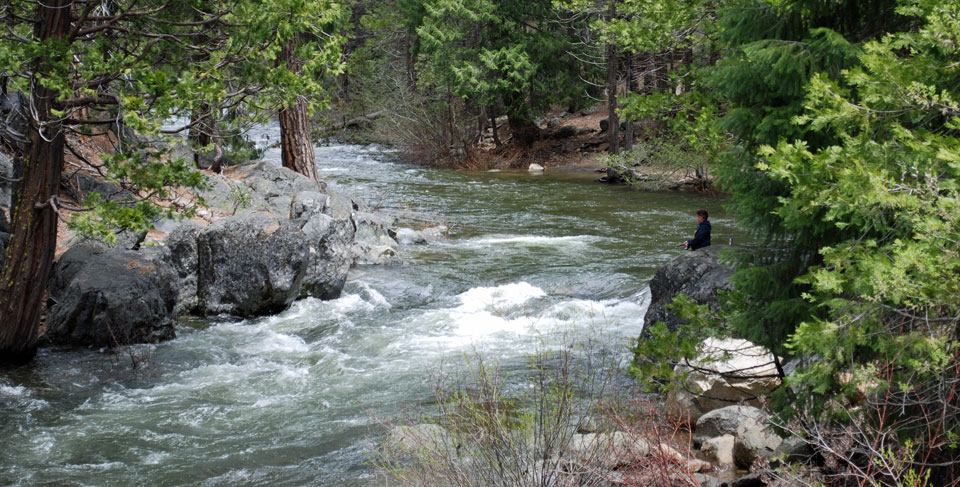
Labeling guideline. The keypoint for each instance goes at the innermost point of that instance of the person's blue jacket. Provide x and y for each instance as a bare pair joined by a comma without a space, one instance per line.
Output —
701,238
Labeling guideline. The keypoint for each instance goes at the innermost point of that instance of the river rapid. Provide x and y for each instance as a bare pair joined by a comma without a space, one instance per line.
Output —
530,262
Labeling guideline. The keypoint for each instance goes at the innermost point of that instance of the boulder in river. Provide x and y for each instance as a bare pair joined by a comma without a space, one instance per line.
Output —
695,273
110,297
251,264
330,248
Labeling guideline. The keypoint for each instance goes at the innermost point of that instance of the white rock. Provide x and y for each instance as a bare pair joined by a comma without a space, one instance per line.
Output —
719,450
743,370
535,168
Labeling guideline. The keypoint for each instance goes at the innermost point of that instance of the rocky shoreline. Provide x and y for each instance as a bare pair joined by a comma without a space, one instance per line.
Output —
289,237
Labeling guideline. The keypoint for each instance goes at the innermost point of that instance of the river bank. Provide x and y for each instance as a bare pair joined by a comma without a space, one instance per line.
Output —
531,261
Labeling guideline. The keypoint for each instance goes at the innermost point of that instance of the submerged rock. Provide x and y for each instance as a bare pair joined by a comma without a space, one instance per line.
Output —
110,297
251,264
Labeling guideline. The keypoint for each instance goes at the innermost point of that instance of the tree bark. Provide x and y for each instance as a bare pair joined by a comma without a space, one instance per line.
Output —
628,133
296,149
34,226
614,141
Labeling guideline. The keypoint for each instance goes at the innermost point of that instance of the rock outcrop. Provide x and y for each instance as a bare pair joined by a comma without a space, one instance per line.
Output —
109,297
697,274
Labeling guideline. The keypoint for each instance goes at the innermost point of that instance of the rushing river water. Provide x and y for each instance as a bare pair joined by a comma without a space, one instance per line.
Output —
531,261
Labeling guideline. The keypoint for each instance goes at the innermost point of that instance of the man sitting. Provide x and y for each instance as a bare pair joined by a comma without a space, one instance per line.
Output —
702,236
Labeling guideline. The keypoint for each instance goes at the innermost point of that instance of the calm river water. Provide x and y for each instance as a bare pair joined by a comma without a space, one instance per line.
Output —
531,262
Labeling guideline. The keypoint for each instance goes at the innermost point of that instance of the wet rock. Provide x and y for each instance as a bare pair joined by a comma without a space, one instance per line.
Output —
251,264
110,297
729,371
409,236
375,241
330,247
695,273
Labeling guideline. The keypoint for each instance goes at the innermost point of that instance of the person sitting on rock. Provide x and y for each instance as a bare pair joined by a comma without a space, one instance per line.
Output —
702,236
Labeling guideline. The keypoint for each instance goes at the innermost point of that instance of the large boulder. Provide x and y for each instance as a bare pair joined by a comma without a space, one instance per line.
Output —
258,187
110,297
724,421
697,274
250,264
728,371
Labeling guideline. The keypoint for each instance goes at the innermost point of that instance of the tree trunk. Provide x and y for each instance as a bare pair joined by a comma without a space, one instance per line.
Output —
493,123
34,226
628,133
614,144
296,150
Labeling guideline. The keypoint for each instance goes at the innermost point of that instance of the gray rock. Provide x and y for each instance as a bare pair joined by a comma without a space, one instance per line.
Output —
719,450
126,240
110,297
724,421
695,273
14,119
754,440
794,450
261,186
375,241
107,191
250,264
331,254
181,246
4,224
308,203
408,236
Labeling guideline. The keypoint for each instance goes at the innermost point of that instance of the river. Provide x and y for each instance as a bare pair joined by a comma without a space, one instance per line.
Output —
530,262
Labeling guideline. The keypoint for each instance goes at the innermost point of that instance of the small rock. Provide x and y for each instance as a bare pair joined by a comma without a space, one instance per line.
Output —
754,479
794,450
719,450
535,168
